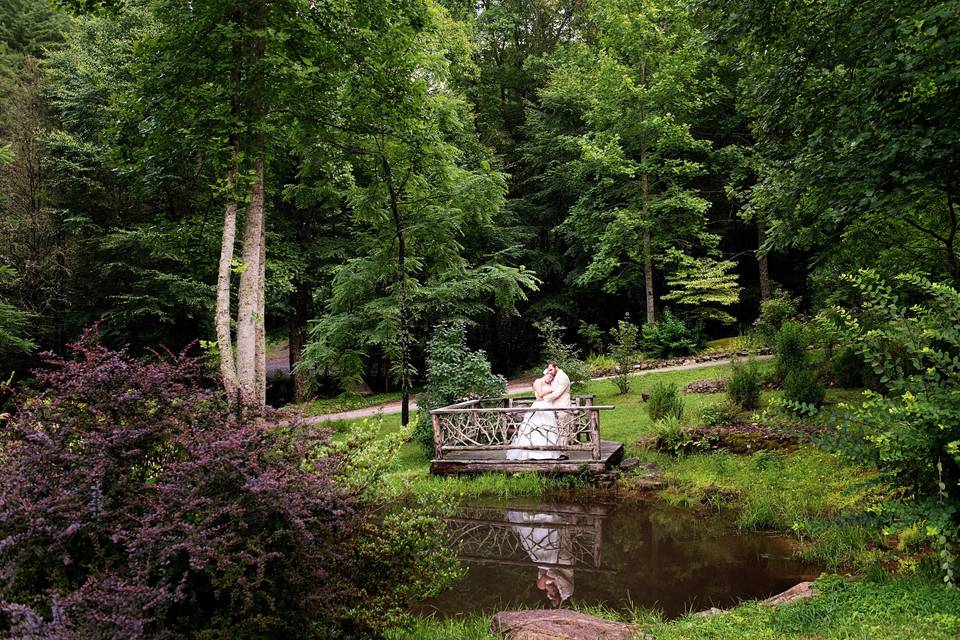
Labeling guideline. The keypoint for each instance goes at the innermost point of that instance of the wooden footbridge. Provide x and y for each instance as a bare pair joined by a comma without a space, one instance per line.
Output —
474,436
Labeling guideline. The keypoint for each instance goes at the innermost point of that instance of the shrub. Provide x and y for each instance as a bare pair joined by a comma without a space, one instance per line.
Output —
134,506
624,351
600,365
910,430
454,372
774,311
672,337
801,386
790,348
565,355
847,368
719,414
743,387
666,400
592,335
673,437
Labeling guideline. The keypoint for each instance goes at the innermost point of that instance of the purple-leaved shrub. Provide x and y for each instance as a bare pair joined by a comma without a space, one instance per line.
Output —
132,505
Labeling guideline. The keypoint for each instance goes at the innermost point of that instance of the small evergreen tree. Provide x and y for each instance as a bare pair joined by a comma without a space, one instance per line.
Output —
624,351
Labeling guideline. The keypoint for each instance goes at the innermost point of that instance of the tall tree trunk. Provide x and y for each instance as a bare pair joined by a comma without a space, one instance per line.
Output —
401,299
249,313
228,367
404,323
648,255
251,353
762,262
300,304
260,348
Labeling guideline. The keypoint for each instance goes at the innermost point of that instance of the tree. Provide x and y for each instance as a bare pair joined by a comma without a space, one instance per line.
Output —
624,350
634,83
703,284
219,81
415,195
855,110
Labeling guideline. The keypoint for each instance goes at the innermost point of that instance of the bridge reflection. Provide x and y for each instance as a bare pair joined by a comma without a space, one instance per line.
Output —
556,540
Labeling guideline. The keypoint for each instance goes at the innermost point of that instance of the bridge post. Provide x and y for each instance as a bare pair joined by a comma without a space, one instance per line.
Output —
437,436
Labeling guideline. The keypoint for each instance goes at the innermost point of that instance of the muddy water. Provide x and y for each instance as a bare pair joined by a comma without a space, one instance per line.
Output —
541,554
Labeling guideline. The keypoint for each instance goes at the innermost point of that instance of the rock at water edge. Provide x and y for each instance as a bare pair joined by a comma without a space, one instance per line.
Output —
559,624
801,591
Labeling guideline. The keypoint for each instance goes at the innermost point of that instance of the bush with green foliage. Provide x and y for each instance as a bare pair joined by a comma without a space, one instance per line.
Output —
673,437
671,337
774,311
556,350
719,414
790,348
848,368
744,385
592,336
454,372
666,400
801,387
14,323
910,430
624,351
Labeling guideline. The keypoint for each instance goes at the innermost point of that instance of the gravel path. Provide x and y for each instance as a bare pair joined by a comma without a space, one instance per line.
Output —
514,386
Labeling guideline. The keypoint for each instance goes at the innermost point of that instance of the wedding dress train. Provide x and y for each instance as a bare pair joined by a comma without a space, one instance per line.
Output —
538,429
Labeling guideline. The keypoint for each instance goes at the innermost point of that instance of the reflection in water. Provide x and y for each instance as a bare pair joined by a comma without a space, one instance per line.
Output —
623,555
550,548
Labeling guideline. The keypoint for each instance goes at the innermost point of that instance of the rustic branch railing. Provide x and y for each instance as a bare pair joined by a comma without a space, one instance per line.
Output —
498,538
489,424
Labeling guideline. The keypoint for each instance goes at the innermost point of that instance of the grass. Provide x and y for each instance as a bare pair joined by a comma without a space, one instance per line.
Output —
893,609
345,402
727,344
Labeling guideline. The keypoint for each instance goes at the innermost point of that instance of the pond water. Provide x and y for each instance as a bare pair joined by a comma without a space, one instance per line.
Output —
541,554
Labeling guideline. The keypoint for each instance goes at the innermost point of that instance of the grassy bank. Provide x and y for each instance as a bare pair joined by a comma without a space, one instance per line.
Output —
805,491
908,608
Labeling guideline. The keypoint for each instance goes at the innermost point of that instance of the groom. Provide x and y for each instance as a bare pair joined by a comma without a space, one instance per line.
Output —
560,398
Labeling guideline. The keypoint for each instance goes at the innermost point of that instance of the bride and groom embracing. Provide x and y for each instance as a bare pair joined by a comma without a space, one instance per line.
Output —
545,428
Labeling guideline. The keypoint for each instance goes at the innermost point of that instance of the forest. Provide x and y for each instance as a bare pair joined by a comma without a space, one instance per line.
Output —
224,221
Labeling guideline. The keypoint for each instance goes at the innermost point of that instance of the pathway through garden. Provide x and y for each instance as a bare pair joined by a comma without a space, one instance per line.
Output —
514,386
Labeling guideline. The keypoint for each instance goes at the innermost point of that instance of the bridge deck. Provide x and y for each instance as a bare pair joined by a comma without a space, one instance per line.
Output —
487,461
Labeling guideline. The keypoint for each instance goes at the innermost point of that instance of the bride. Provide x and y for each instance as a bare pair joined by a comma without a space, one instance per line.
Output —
539,428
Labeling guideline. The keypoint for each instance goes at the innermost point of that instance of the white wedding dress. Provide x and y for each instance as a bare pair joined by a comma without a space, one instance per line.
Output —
538,429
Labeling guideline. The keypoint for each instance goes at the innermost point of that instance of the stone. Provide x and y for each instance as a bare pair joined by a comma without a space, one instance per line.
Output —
630,463
559,624
800,591
797,592
711,385
648,443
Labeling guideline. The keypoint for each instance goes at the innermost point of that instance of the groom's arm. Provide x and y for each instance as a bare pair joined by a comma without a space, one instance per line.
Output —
559,388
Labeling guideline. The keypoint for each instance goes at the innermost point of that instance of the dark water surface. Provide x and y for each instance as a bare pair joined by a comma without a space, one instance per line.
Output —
538,554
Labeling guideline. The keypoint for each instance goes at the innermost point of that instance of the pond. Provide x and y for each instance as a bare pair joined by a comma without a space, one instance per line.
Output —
623,555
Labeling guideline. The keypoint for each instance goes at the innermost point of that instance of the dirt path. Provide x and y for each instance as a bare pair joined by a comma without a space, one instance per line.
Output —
514,386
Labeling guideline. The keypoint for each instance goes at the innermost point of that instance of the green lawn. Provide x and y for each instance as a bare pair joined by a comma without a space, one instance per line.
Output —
345,402
892,609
